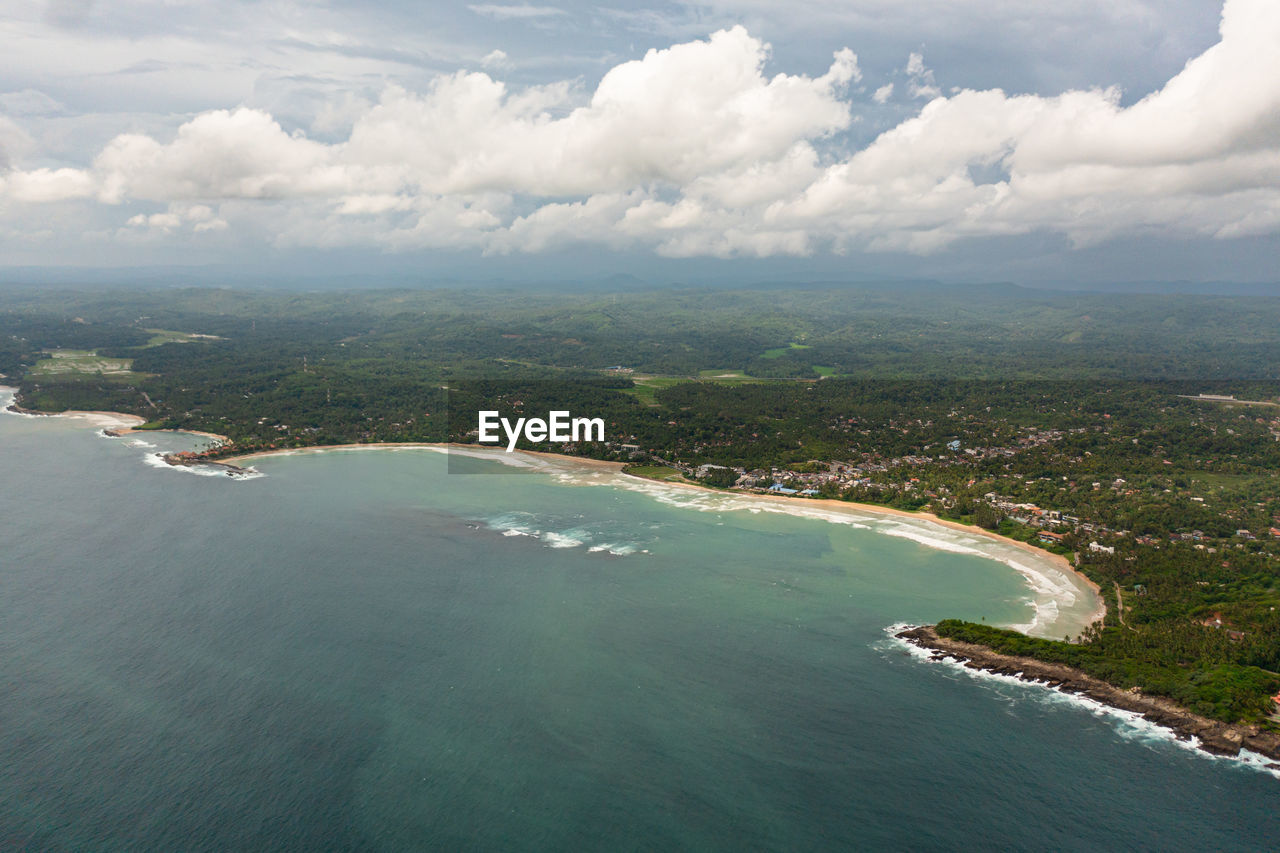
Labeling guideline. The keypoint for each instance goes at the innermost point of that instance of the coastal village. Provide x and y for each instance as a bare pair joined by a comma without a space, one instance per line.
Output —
873,479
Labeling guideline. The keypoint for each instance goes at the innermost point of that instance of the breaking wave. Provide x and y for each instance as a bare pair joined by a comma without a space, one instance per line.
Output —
1053,592
553,535
156,460
1129,725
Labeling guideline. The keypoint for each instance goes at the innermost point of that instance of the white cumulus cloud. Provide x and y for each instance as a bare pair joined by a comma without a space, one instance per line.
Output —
697,149
495,59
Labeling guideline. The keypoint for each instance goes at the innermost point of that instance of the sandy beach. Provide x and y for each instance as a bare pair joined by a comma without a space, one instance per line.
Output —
850,508
125,423
104,420
796,505
469,449
213,435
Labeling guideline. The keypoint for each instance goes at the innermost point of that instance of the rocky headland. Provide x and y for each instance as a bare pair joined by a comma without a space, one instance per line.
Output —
1212,736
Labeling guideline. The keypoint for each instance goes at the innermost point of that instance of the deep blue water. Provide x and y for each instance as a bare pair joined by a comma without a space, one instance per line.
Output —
358,652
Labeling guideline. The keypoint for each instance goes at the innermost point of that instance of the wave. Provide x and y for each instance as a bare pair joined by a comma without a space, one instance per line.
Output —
513,524
7,398
616,549
156,460
552,535
1052,589
1053,597
513,460
1053,592
1129,725
706,501
565,540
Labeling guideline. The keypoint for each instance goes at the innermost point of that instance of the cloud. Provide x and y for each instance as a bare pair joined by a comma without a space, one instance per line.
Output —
199,217
29,102
645,123
495,59
67,13
920,82
695,150
14,143
46,185
521,12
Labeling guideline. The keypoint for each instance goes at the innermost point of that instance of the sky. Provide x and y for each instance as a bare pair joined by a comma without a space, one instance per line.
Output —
952,139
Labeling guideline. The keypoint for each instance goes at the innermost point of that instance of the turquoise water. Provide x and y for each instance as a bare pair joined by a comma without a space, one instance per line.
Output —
359,650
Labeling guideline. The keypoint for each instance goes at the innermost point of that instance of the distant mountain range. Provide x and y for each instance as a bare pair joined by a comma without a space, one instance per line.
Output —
161,277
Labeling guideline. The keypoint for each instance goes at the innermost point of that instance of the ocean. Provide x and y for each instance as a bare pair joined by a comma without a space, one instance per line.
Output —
399,650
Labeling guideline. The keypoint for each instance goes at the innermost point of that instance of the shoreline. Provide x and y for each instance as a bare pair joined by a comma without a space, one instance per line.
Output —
133,430
486,452
120,423
1211,736
876,509
234,464
1056,561
107,420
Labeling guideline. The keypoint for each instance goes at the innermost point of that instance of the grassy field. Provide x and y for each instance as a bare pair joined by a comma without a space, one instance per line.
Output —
70,361
779,352
647,386
658,472
725,375
168,336
1244,483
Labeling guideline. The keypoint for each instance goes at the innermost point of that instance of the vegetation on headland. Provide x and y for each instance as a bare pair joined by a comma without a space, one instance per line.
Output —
1069,421
1190,664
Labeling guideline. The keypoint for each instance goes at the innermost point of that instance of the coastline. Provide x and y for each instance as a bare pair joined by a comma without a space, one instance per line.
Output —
876,509
789,505
124,424
106,420
1212,736
120,423
213,435
853,508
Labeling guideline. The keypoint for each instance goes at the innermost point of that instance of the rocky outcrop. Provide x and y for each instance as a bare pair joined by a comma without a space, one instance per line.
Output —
187,460
14,407
1212,735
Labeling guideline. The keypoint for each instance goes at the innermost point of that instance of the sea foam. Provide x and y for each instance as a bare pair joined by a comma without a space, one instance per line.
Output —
547,531
1052,591
1129,725
156,460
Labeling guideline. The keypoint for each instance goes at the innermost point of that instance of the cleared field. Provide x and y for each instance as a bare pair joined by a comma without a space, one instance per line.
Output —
1244,483
646,387
658,472
69,361
779,352
168,336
